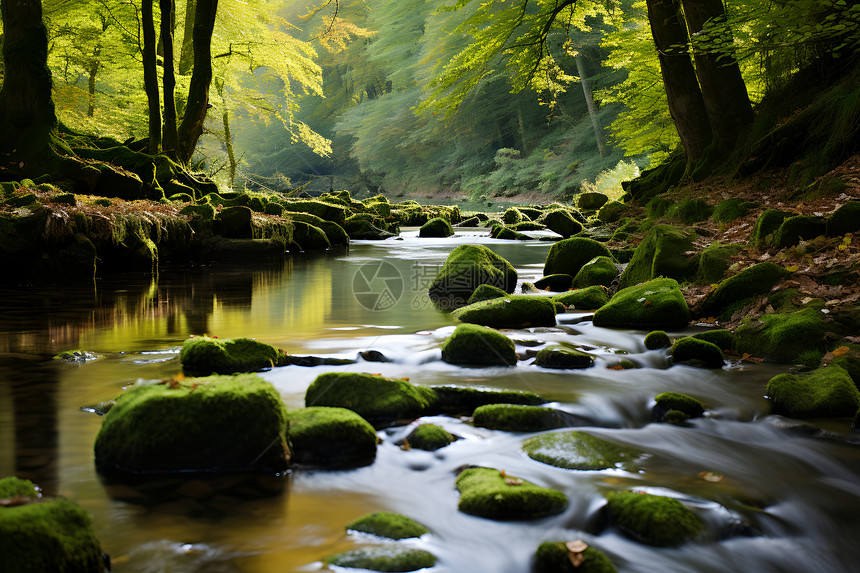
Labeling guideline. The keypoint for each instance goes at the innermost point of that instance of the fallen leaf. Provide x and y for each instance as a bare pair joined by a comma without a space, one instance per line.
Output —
711,477
647,303
577,546
841,350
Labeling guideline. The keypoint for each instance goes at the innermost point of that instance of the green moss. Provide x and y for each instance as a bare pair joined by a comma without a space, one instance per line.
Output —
512,216
657,339
797,228
388,525
527,226
515,311
597,271
611,212
723,339
591,201
386,559
653,519
437,227
16,487
562,358
473,345
52,535
371,396
662,253
486,492
556,282
810,358
507,234
335,234
714,261
365,228
588,298
331,438
486,292
518,418
656,207
205,211
429,437
696,352
224,423
753,281
825,392
766,226
569,255
731,209
656,304
561,221
554,557
690,211
467,267
576,450
674,401
781,337
531,213
322,209
463,400
845,219
204,355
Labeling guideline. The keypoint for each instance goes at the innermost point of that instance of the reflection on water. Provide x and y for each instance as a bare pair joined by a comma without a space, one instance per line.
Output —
786,501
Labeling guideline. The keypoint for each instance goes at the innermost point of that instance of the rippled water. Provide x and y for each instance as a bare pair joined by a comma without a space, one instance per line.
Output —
788,499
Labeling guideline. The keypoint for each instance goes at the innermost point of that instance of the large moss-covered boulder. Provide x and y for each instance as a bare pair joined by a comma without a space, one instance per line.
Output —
53,534
563,358
588,298
217,423
576,450
463,400
797,228
331,438
386,559
512,216
766,226
597,271
714,262
490,493
753,281
611,212
307,237
658,303
555,557
373,397
388,525
474,345
429,437
519,418
561,221
591,201
204,355
730,209
827,391
663,252
653,519
696,352
515,311
322,209
781,337
335,234
569,255
467,267
362,228
845,219
233,223
436,228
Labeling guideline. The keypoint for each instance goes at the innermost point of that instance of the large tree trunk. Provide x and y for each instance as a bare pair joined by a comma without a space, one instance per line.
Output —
186,52
150,76
723,88
589,102
169,142
201,78
686,105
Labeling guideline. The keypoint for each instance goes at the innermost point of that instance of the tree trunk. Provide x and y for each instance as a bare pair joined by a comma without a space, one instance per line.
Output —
723,88
93,71
589,102
169,140
228,141
686,105
150,77
201,78
186,53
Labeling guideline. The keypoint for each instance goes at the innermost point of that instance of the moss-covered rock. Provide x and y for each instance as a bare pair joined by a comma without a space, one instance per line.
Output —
204,355
322,209
657,339
429,437
690,211
658,303
753,281
554,557
519,418
515,311
561,358
781,337
561,221
569,255
663,252
16,487
473,345
463,400
388,525
436,228
362,229
512,216
556,282
49,535
485,292
233,223
466,268
307,237
845,219
217,423
797,228
331,438
576,450
588,298
611,212
508,234
696,352
386,559
527,226
825,392
373,397
766,226
675,401
335,234
487,492
730,209
653,519
714,261
591,201
597,271
722,338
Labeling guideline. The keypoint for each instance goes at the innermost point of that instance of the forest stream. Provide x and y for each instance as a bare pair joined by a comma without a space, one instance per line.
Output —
775,494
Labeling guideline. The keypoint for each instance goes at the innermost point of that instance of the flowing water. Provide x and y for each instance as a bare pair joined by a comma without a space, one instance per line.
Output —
787,499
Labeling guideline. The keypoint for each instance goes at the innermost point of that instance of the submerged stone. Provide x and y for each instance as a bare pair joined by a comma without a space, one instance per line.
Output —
519,418
429,437
827,391
569,255
490,493
473,345
331,438
781,337
588,298
388,525
467,267
653,519
576,450
753,281
658,303
436,228
562,358
204,355
555,557
386,559
675,402
515,311
217,423
373,397
663,252
696,352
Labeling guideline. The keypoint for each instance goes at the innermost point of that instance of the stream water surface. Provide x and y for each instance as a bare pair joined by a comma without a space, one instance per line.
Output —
779,495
